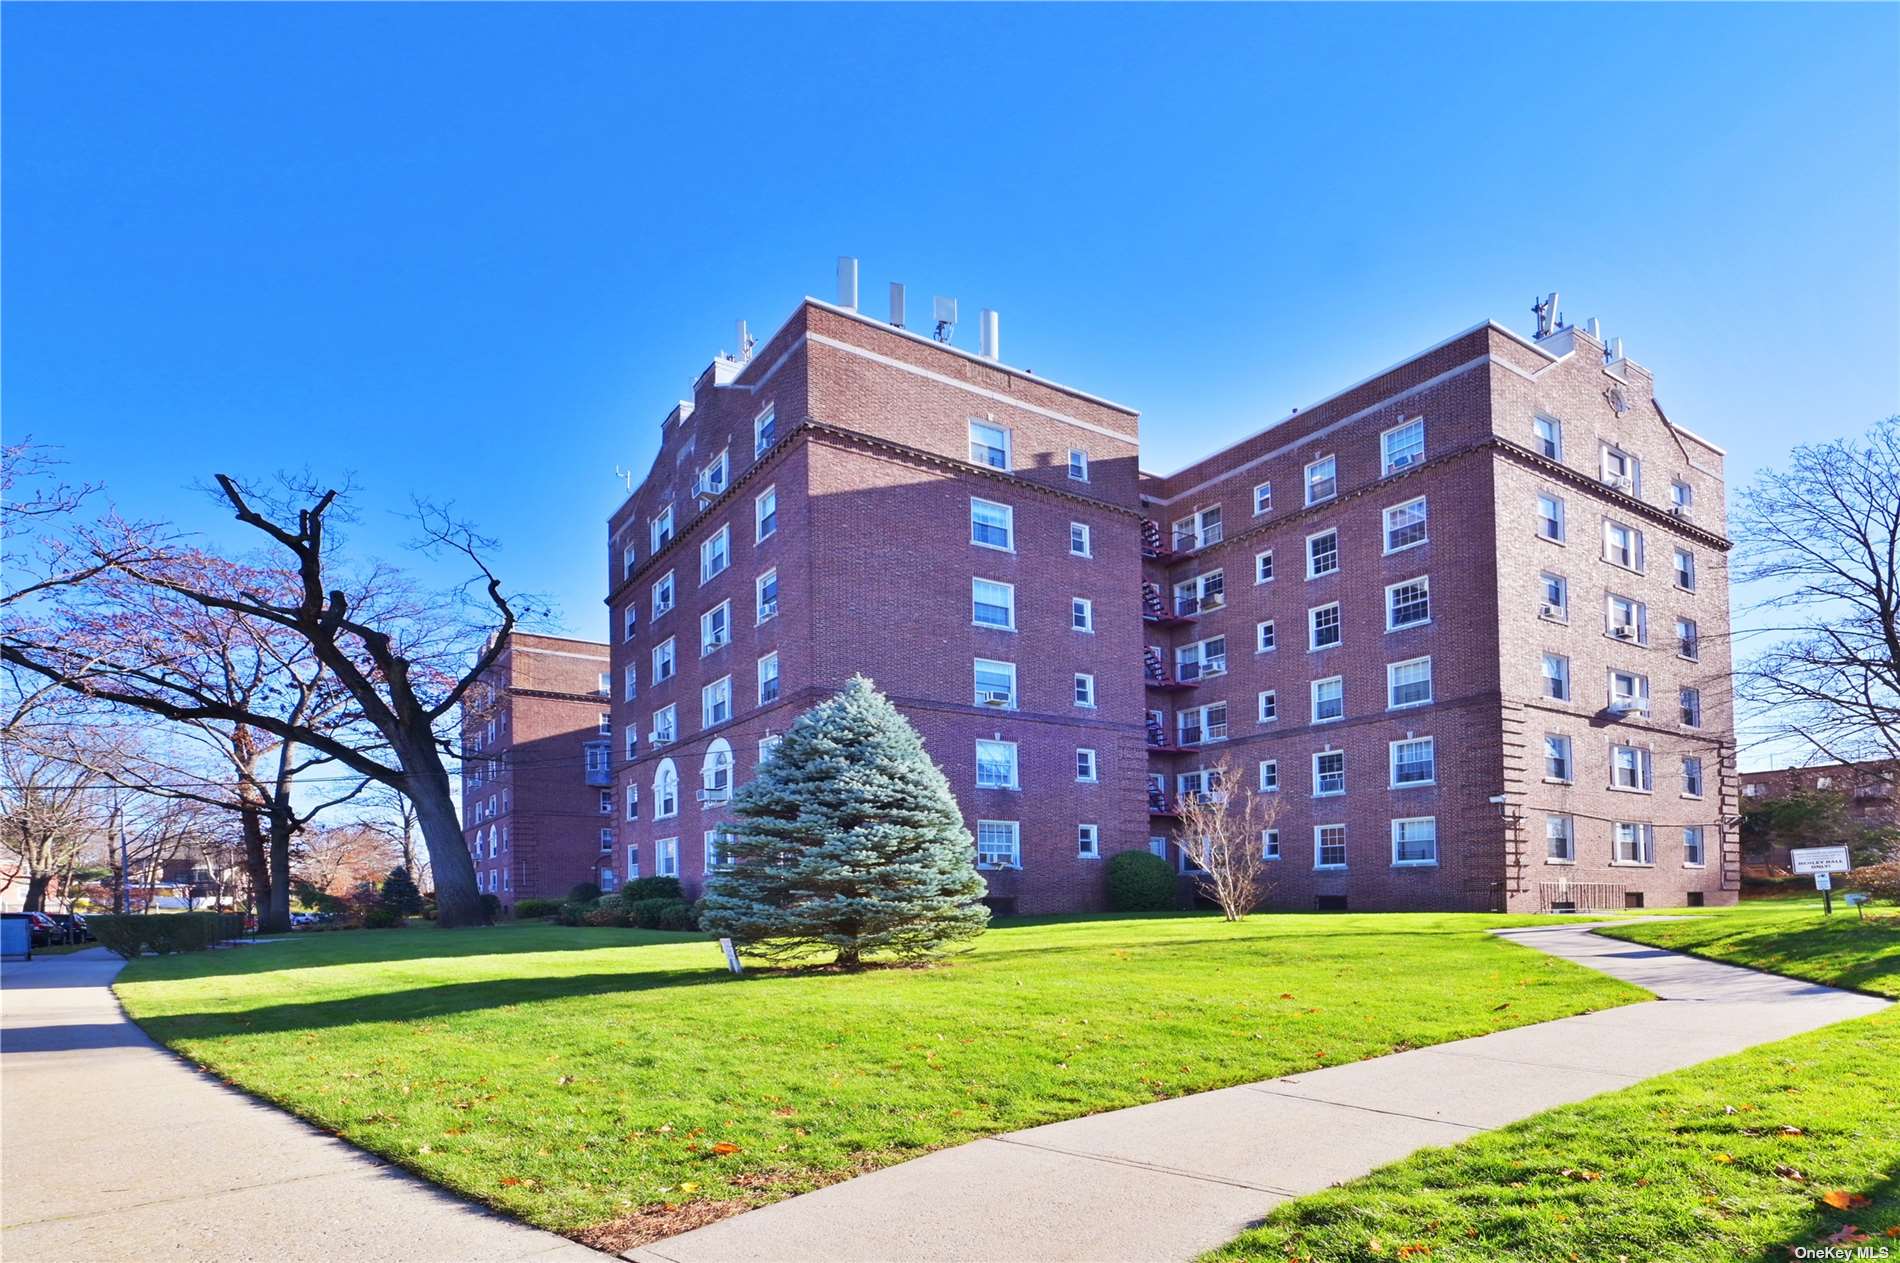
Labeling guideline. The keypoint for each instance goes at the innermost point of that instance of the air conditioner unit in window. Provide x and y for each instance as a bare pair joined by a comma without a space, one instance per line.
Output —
1619,481
1404,461
659,738
993,697
769,609
1678,511
712,795
1214,666
1629,706
1547,611
1623,631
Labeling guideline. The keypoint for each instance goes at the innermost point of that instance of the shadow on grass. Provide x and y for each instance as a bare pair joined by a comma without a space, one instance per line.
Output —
1883,1205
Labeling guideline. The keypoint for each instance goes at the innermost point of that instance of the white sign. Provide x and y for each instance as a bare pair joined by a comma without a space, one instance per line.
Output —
1820,859
732,956
1824,881
1856,899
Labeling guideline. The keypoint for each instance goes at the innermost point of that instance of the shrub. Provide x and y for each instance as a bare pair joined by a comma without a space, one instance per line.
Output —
583,892
606,911
652,888
399,892
1882,881
532,909
491,907
678,915
382,916
1140,882
165,932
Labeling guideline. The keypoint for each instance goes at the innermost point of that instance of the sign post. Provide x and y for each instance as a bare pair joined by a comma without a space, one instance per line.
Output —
1823,862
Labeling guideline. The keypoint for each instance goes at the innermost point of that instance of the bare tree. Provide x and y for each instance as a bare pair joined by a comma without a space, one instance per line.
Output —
48,804
1822,541
337,858
1224,829
406,659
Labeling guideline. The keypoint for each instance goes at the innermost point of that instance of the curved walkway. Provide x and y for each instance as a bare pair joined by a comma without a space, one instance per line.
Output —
112,1148
1169,1180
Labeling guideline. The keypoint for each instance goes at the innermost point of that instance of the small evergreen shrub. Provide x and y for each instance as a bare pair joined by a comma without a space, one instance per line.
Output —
491,907
571,912
583,892
1140,882
382,916
677,914
652,888
399,892
535,909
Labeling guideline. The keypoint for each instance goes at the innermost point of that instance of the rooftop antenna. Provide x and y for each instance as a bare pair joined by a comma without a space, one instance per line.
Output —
1546,312
946,314
625,475
746,343
897,303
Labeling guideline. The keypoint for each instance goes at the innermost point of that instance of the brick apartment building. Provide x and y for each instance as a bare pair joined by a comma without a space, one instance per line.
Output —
1870,790
1468,617
537,806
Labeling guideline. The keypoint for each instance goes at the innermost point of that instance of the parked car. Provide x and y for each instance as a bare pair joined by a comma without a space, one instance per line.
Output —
46,931
72,927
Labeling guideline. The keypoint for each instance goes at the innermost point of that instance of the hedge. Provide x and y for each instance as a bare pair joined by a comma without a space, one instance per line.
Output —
652,888
1139,881
163,933
530,909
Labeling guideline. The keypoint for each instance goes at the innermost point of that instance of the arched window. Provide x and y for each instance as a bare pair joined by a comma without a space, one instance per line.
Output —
715,774
666,790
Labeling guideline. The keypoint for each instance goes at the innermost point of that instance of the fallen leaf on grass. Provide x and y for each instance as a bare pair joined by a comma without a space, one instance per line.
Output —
1848,1235
1788,1130
1724,1159
1841,1199
1787,1172
725,1147
1575,1174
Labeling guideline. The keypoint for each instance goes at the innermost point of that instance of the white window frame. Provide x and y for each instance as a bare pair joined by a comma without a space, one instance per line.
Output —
1392,762
1559,677
1088,766
984,460
1008,526
1008,750
766,420
665,660
1265,638
768,671
1084,690
1313,699
660,529
1320,844
1262,498
633,802
1423,522
1685,568
764,517
1078,464
1263,567
1388,457
1696,780
1398,827
1081,614
715,554
1088,841
763,613
666,724
1331,465
1013,830
1635,563
1642,840
1689,706
1008,605
666,857
1567,834
1558,585
1701,859
1568,755
1312,627
1081,533
709,623
1269,844
1641,764
1340,775
1392,683
1269,776
1015,697
1391,606
1312,572
1561,520
1267,706
1542,445
711,698
665,594
666,791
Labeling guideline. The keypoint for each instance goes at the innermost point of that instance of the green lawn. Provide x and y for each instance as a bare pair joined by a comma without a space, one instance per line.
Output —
617,1084
1741,1158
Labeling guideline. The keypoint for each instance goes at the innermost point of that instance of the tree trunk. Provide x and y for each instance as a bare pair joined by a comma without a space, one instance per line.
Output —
36,885
274,917
257,864
458,902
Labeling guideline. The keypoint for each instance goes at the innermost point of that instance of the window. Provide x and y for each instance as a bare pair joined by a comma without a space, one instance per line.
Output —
768,678
1269,705
1263,640
630,688
1200,724
1629,692
1081,614
607,801
714,477
1628,619
1404,445
997,844
1685,570
1547,437
1201,593
1322,626
1405,525
1681,496
1269,844
715,702
665,724
1408,604
1560,840
1203,657
718,850
765,514
1622,545
996,684
1688,643
992,525
1088,841
764,430
1270,776
1322,554
1550,517
715,773
596,754
629,620
666,857
1408,683
765,595
989,445
663,594
1084,690
666,791
607,839
1078,465
1329,846
633,742
1414,762
1692,776
1635,844
633,861
1556,677
1691,708
1622,471
1198,530
660,530
633,802
1201,783
606,723
1329,699
1322,480
1262,497
1263,567
1087,768
1630,768
715,555
663,664
1556,598
993,604
1415,841
1692,846
715,628
1329,773
996,765
768,744
628,558
1557,765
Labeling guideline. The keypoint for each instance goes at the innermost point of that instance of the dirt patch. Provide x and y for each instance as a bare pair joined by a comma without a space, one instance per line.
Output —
651,1223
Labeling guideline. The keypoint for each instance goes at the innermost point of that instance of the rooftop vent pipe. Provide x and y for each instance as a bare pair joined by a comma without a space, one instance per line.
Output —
847,282
990,336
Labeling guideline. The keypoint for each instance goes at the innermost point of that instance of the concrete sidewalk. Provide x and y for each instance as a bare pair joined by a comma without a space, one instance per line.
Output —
1169,1180
111,1148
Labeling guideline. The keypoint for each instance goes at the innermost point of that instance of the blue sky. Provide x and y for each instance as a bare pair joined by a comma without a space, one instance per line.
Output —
477,252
